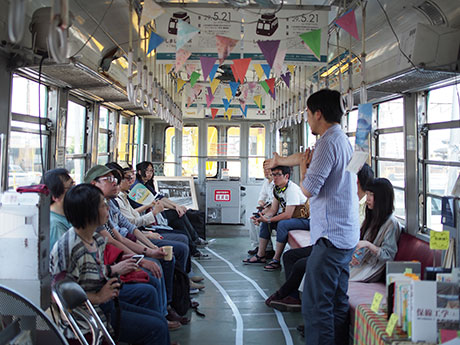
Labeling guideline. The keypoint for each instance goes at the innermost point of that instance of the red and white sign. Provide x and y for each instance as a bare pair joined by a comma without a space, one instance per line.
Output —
222,195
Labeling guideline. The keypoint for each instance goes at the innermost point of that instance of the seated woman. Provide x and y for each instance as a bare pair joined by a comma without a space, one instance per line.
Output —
79,254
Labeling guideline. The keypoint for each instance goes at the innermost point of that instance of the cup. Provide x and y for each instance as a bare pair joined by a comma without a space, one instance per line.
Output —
169,252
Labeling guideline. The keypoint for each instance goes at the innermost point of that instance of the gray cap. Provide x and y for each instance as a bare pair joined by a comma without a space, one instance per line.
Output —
95,172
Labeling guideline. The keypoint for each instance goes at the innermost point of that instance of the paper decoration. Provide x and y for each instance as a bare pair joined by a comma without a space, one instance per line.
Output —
269,49
154,41
189,68
258,101
376,302
168,67
291,68
197,90
313,40
199,108
267,69
391,324
182,56
224,47
185,32
272,93
209,97
214,112
279,61
235,75
228,93
439,240
286,78
180,83
194,77
259,70
348,23
244,109
264,85
229,113
234,87
271,84
244,92
226,103
213,72
150,11
207,63
214,84
241,67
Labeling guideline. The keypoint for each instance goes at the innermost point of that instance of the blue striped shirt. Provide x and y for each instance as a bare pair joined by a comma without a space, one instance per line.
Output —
334,201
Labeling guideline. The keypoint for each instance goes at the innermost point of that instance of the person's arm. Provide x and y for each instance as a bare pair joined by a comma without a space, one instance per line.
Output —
116,241
169,204
144,208
109,291
278,160
387,250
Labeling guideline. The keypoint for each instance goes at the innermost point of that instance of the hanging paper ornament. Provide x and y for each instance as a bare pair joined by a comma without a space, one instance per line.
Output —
228,93
224,46
286,78
348,23
269,49
267,69
229,113
241,67
213,72
234,87
214,84
235,75
291,68
207,63
265,86
279,61
271,84
180,83
150,11
182,56
226,103
154,41
258,101
194,77
214,112
185,32
244,109
313,40
168,67
259,70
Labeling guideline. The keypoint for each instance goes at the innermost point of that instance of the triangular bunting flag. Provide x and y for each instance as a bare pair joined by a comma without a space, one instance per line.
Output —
180,83
229,113
197,90
168,67
226,103
313,40
234,87
194,77
279,61
235,75
269,49
224,46
348,23
273,94
189,68
271,84
241,67
154,41
213,72
259,70
244,92
266,69
199,108
182,55
228,93
244,110
214,112
286,78
150,11
264,85
185,32
258,101
207,64
209,97
214,85
291,68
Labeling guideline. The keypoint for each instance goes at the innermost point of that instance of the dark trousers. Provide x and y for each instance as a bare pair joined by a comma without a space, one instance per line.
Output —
294,261
324,299
183,225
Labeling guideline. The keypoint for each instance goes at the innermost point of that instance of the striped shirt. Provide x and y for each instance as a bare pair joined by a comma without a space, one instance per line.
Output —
334,201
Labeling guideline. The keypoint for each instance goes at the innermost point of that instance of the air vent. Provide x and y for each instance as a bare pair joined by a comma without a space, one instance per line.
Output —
433,13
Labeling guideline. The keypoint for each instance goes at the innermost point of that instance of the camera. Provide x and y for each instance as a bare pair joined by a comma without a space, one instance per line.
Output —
256,215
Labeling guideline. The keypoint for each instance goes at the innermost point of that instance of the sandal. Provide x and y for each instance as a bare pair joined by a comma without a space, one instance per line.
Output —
260,260
273,265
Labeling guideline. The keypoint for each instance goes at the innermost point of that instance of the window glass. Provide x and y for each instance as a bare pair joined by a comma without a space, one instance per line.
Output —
234,169
433,217
443,104
256,151
444,144
124,136
103,118
441,179
211,166
400,208
286,143
24,97
24,166
190,151
352,120
75,132
391,113
394,171
233,141
169,152
76,168
391,145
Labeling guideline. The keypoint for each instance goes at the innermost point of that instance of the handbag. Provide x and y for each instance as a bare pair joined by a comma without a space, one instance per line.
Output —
112,255
302,211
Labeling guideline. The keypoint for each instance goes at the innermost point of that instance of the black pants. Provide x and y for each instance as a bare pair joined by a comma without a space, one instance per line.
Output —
294,261
182,224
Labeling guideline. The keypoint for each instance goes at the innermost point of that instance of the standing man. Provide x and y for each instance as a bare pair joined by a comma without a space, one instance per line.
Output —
334,222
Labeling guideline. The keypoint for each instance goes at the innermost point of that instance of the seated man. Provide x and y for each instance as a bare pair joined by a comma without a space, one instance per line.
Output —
287,195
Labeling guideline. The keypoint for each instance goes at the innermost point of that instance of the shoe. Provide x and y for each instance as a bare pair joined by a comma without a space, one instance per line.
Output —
273,265
288,303
194,291
253,251
259,260
201,243
194,304
173,316
275,296
194,285
201,256
173,325
196,279
269,254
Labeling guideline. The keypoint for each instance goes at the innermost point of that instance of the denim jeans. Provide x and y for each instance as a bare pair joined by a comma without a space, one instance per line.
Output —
266,230
284,226
325,300
160,286
180,247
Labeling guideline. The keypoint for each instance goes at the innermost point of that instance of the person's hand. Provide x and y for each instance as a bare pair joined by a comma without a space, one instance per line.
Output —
124,266
152,267
309,156
152,235
181,210
354,261
109,291
263,218
362,244
157,253
255,220
272,162
157,207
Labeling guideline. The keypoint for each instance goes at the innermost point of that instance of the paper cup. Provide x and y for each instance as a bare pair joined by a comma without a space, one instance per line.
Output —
169,252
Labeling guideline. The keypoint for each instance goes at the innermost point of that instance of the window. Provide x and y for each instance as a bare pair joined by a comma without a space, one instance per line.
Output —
75,154
233,151
212,150
25,148
190,151
103,148
389,147
170,154
441,166
223,151
125,140
256,151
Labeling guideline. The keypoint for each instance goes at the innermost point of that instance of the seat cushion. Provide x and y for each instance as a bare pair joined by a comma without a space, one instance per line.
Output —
298,238
363,293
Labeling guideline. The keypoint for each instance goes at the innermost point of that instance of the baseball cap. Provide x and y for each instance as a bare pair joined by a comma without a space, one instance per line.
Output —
95,172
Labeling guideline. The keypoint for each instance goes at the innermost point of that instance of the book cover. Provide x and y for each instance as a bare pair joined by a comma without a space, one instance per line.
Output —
423,311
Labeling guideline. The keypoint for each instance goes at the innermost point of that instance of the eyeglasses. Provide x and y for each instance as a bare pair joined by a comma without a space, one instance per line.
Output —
277,174
149,171
129,177
109,179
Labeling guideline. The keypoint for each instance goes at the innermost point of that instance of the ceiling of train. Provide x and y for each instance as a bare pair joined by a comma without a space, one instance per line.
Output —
99,43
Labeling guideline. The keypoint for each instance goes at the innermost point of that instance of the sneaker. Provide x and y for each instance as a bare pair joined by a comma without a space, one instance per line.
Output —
194,291
201,243
288,303
201,256
274,297
196,279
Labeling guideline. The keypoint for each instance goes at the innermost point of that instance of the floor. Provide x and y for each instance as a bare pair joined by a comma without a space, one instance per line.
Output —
233,300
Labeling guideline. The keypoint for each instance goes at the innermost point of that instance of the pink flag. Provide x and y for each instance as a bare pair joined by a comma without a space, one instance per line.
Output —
182,55
206,65
348,23
224,46
269,49
209,97
279,61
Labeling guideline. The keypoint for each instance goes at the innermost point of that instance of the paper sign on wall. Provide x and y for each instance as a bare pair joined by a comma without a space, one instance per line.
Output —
439,240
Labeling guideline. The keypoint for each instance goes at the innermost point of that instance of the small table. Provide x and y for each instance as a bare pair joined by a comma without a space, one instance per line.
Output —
370,329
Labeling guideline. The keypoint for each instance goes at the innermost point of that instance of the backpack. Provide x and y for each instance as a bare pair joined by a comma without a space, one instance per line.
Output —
181,292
